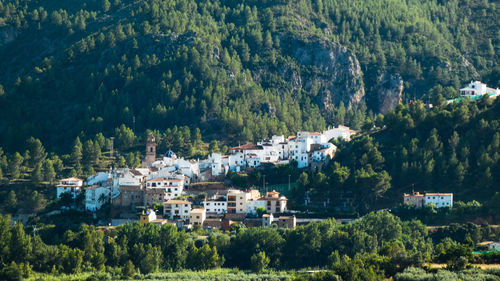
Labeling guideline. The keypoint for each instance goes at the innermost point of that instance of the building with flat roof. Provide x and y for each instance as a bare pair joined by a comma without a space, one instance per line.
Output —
198,216
72,186
177,209
418,199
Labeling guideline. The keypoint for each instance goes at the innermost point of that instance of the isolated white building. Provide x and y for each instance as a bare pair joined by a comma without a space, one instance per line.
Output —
439,199
478,88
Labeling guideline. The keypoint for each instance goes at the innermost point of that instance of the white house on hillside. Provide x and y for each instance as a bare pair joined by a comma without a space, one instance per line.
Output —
477,88
70,185
439,199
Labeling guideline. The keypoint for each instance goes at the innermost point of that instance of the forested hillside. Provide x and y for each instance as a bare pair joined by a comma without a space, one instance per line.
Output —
237,70
449,148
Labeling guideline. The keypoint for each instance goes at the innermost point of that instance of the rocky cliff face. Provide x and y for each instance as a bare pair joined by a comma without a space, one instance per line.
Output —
389,90
7,35
326,69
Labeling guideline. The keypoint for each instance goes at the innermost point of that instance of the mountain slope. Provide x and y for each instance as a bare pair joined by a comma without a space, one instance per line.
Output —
243,70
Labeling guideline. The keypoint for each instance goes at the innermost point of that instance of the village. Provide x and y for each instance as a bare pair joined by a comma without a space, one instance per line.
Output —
175,183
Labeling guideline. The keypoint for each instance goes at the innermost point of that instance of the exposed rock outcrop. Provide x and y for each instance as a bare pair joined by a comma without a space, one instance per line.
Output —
7,35
326,69
389,90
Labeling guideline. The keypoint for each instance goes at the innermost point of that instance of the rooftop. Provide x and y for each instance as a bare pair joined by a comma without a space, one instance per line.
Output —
439,194
164,179
197,211
71,179
170,202
135,173
247,146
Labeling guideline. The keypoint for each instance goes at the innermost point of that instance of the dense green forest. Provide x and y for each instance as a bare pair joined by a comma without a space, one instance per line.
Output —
377,246
242,69
449,148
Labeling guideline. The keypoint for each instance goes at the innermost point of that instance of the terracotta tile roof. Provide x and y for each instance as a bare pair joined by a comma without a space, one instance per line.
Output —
164,179
170,202
197,211
247,146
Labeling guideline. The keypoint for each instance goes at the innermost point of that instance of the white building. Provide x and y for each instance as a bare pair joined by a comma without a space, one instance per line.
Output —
339,132
275,203
174,209
163,189
477,88
253,204
96,196
70,185
267,220
215,206
494,246
439,199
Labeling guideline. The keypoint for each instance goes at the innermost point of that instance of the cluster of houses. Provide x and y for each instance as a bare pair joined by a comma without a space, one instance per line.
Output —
417,199
165,179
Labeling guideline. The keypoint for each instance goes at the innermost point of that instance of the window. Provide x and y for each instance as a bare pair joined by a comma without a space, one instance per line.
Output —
442,197
185,211
433,197
208,204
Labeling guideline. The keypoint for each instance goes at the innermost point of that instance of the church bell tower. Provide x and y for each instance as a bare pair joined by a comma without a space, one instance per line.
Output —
150,151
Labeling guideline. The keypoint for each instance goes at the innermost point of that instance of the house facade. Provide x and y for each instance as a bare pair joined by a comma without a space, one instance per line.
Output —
198,216
177,209
96,196
215,206
72,186
440,200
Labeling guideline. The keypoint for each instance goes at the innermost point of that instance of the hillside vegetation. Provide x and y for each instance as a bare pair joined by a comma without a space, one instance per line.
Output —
238,70
449,148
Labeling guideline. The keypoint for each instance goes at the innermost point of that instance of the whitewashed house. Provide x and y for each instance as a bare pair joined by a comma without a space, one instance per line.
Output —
175,209
69,185
478,88
439,199
253,204
216,206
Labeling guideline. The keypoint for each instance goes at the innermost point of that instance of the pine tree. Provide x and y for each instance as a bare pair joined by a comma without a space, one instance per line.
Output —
11,200
37,175
49,174
105,5
76,152
15,166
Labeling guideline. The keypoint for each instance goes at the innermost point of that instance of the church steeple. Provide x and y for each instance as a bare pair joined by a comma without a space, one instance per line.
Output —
150,151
